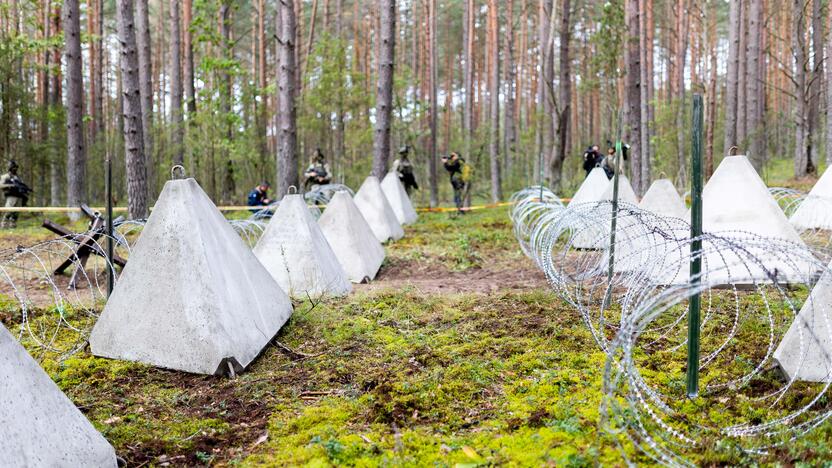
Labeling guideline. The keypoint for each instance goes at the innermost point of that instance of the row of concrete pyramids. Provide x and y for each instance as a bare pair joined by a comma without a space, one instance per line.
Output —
736,201
195,298
815,211
217,304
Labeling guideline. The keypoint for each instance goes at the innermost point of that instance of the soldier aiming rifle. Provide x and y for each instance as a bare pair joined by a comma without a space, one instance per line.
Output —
16,193
318,171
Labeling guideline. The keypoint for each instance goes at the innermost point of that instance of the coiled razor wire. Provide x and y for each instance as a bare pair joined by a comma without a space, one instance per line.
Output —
634,299
317,198
53,313
50,316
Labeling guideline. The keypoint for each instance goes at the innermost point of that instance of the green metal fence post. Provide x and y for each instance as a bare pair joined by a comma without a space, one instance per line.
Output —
613,224
695,247
108,192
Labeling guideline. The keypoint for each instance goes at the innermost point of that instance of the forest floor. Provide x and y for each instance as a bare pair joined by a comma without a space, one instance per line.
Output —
459,354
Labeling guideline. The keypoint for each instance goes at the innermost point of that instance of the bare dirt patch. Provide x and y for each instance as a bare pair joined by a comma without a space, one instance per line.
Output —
434,278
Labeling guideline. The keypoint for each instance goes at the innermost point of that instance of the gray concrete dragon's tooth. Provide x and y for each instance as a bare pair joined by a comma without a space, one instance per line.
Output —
626,194
351,238
805,353
297,255
193,296
39,425
663,199
398,198
377,211
592,189
815,211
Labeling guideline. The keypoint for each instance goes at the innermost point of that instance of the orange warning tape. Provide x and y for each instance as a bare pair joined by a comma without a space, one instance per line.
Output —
117,209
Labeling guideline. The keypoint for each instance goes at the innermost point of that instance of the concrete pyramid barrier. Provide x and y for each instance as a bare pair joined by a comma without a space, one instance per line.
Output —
356,247
398,198
736,205
193,296
592,189
39,425
640,241
663,199
627,235
588,233
736,198
805,353
815,211
378,213
626,194
297,255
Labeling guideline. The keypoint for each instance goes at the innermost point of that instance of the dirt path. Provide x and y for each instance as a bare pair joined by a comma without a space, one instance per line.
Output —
433,279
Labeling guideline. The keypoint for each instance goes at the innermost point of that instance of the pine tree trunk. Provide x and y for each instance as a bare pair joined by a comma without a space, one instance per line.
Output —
262,107
816,85
434,107
710,125
44,95
510,73
176,85
681,108
56,153
742,76
646,77
132,112
228,185
754,73
545,88
76,151
468,76
145,86
98,79
494,103
801,154
731,90
188,73
564,103
384,93
651,91
340,130
92,50
632,93
287,161
829,91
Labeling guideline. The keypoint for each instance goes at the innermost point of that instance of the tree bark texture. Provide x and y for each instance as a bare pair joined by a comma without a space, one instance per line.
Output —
384,91
176,84
632,93
732,75
76,151
494,103
145,84
132,112
287,160
564,102
434,108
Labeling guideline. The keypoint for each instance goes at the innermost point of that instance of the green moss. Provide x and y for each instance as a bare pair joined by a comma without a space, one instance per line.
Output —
88,370
399,377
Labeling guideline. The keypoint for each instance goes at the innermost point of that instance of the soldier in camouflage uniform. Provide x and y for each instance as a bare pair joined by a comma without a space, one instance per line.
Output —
15,192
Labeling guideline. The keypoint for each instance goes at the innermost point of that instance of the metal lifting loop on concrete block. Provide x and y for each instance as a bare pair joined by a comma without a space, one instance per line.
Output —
173,172
292,190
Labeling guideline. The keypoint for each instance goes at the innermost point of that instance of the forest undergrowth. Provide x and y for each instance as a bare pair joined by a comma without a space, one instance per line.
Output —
393,375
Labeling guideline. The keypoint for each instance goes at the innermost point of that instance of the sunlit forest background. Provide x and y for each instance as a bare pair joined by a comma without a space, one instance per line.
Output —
519,87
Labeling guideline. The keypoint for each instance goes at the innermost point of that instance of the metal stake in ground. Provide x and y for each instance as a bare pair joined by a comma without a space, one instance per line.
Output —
108,192
613,224
695,247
